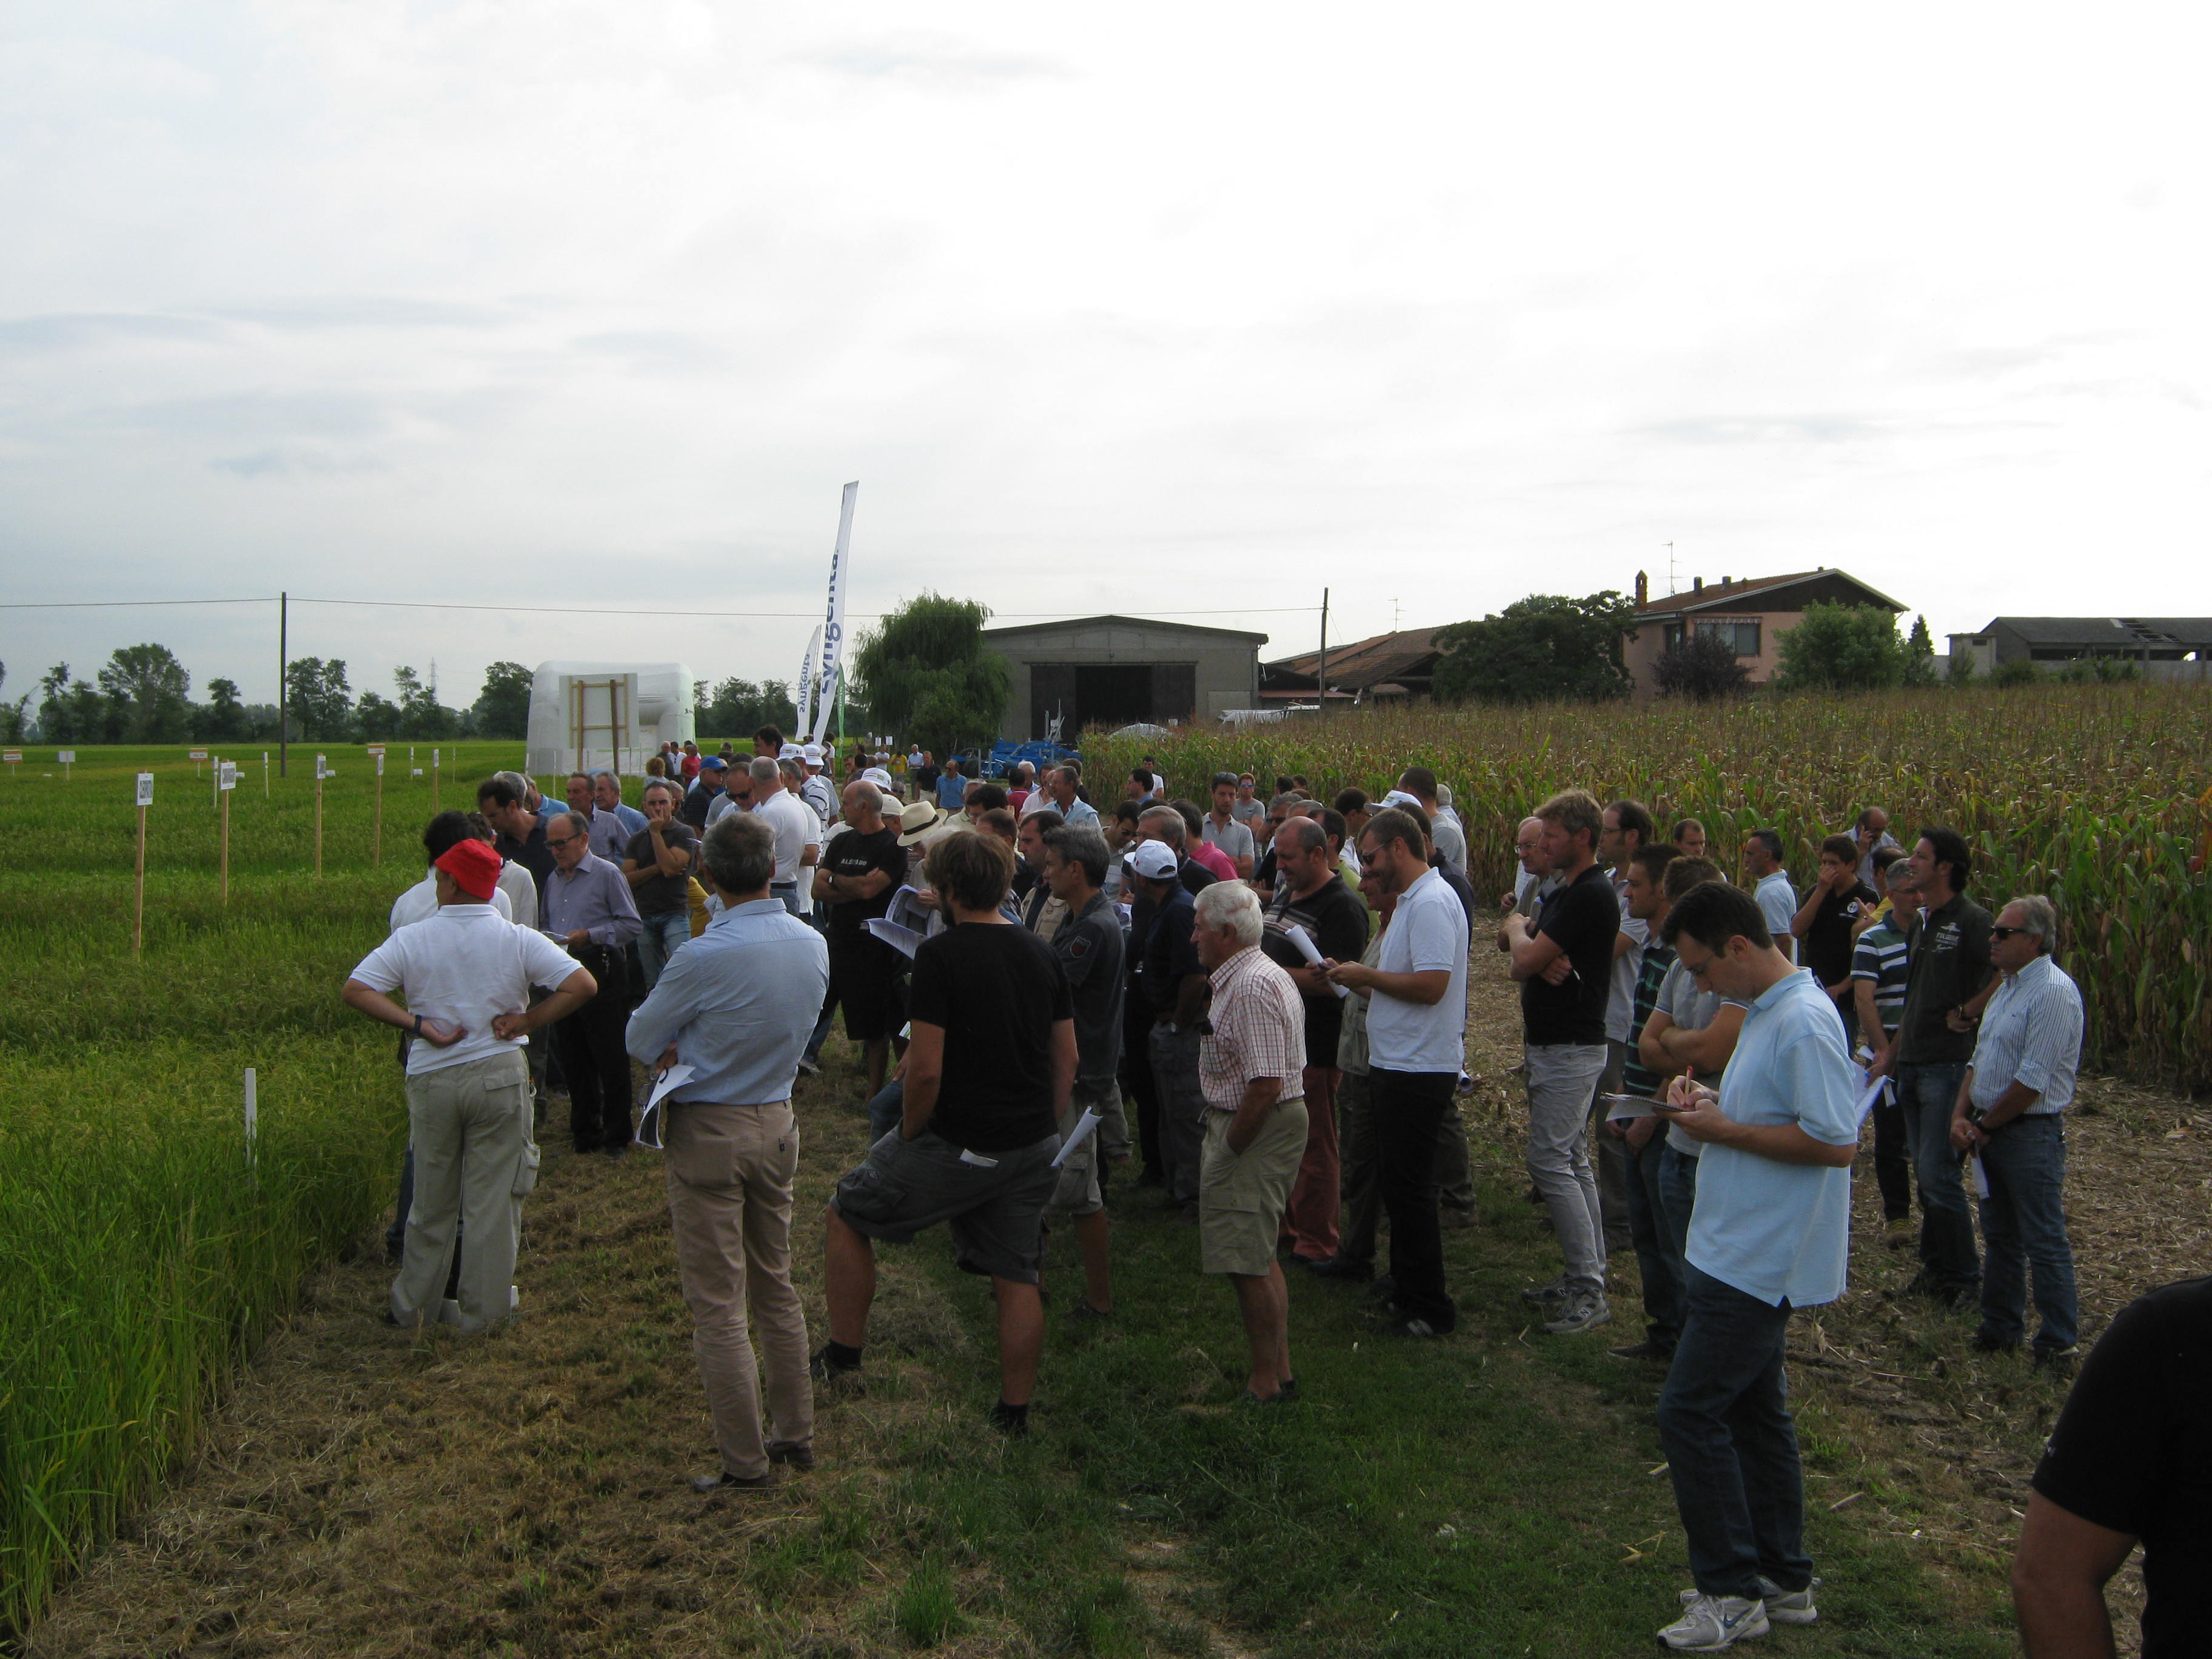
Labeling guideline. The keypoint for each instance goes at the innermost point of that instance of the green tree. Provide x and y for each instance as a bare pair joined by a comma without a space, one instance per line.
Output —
223,718
1703,667
320,701
924,673
71,710
377,718
1842,648
1539,649
14,716
502,708
736,708
148,694
1961,670
1919,654
421,714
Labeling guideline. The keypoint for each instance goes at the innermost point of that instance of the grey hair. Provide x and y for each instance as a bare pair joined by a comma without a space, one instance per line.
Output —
1230,907
868,796
514,781
762,769
608,776
1170,826
663,784
739,851
792,768
2039,916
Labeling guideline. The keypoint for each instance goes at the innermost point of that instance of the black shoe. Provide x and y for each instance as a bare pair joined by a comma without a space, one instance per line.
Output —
616,1148
394,1254
1337,1267
1149,1177
1990,1342
1647,1349
1419,1329
704,1484
1012,1420
790,1452
2059,1362
1384,1288
1282,1396
1088,1314
824,1368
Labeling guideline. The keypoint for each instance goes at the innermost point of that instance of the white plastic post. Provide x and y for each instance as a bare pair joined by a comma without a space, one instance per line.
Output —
250,1114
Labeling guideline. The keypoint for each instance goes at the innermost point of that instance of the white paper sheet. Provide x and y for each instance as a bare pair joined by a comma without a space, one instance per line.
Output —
1977,1174
648,1120
1077,1136
1871,1098
1623,1109
904,940
1310,951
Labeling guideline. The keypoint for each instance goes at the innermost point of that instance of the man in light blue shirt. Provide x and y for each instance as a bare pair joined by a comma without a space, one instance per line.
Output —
1777,899
1769,1234
736,1005
2010,1114
951,787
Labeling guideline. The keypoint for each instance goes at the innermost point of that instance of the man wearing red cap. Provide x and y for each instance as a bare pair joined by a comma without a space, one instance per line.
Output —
465,974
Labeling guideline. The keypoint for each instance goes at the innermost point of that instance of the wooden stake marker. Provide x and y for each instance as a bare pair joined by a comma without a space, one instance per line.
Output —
226,780
376,836
138,916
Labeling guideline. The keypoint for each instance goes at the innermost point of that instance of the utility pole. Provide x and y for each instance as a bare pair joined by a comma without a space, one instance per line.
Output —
283,655
1670,570
1321,667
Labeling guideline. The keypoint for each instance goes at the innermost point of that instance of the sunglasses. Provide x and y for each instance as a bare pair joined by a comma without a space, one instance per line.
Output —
563,842
2007,932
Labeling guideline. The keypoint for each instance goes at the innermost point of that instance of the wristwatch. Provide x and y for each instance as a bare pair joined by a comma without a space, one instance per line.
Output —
418,1025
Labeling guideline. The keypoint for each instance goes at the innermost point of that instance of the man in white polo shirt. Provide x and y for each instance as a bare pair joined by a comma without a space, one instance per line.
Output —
1416,1044
798,832
466,974
1769,1236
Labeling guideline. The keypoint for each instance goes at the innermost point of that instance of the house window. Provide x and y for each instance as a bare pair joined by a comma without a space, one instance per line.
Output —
1742,637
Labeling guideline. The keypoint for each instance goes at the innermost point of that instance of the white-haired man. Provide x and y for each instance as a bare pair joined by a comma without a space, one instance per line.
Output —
1252,1058
797,829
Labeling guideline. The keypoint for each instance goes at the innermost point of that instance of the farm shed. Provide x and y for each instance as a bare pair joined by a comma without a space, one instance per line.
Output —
1111,671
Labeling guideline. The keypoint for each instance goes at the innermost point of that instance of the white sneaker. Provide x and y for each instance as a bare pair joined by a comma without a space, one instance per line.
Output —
1783,1606
1710,1622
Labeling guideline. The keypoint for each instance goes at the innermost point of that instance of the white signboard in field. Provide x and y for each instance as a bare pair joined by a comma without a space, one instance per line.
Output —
145,789
66,756
227,774
197,754
322,768
376,748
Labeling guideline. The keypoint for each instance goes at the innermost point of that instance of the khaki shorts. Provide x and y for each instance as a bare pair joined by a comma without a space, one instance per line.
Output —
1078,1193
1241,1197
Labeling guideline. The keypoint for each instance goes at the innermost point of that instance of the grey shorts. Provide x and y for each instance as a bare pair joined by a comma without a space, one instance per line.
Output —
995,1214
1077,1192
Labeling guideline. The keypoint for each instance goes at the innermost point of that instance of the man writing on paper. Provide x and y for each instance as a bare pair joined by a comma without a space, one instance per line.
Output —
988,1072
736,1005
467,975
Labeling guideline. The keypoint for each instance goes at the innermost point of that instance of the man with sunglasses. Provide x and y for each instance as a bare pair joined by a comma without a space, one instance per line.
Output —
1769,1236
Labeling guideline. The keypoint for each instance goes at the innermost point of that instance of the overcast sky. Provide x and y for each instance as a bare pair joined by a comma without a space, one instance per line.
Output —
1159,309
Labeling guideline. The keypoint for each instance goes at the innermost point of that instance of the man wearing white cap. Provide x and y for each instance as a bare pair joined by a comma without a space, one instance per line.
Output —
815,790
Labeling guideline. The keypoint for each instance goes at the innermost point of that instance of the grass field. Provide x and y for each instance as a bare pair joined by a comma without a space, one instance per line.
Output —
360,1489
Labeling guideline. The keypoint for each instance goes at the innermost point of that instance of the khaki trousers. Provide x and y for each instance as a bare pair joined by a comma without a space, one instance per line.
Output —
729,1170
474,1162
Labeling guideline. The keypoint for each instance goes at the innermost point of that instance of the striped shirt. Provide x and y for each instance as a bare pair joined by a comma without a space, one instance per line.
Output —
1636,1078
1883,956
2030,1034
1259,1022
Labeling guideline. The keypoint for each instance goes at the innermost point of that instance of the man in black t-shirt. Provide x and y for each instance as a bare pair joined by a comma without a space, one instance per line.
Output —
1309,895
1948,983
989,1072
1565,964
1175,992
522,831
1825,926
860,871
2130,1459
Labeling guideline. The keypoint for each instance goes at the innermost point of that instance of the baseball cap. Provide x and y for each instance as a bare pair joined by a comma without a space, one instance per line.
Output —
1155,861
714,763
473,866
811,754
789,751
1400,798
876,775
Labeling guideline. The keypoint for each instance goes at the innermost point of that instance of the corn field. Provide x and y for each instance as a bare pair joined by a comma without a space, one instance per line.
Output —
2096,795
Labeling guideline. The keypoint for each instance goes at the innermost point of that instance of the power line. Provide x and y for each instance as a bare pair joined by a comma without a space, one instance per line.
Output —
602,611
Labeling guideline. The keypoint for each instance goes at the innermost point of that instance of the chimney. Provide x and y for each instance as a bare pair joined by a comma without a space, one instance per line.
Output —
1697,584
1642,588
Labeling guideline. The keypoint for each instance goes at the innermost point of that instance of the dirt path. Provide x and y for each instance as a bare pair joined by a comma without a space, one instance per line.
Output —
364,1491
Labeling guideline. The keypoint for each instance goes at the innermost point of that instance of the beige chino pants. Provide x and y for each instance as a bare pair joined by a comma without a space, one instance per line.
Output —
474,1162
729,1172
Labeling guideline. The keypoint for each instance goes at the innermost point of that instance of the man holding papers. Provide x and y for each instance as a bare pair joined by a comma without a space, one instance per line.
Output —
735,1005
1089,945
1251,1066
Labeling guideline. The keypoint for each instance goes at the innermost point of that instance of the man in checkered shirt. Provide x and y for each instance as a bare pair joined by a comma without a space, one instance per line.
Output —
1251,1068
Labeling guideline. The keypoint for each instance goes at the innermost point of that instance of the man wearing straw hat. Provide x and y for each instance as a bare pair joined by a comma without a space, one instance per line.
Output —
467,975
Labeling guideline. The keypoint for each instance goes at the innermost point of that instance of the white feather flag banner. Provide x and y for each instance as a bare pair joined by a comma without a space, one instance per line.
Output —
832,660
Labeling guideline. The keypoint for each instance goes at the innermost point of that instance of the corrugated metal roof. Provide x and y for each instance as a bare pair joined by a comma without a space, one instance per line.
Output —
1362,663
2190,633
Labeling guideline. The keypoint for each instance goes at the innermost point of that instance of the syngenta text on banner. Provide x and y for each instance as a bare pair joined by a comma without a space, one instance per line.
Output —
805,699
833,626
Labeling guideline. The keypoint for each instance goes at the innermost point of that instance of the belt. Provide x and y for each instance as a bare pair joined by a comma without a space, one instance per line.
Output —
791,884
737,1105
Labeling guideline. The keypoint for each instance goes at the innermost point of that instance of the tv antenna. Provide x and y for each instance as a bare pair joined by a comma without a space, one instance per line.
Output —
1670,569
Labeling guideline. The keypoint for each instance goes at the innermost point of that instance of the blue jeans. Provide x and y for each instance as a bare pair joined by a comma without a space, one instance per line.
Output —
2024,1225
786,894
1655,1256
662,938
1948,1259
886,1109
1678,1193
1731,1447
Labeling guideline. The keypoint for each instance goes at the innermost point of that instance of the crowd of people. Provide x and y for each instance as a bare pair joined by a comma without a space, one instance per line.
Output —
1253,1011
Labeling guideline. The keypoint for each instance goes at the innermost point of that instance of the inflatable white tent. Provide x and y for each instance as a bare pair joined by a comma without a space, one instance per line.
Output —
585,716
